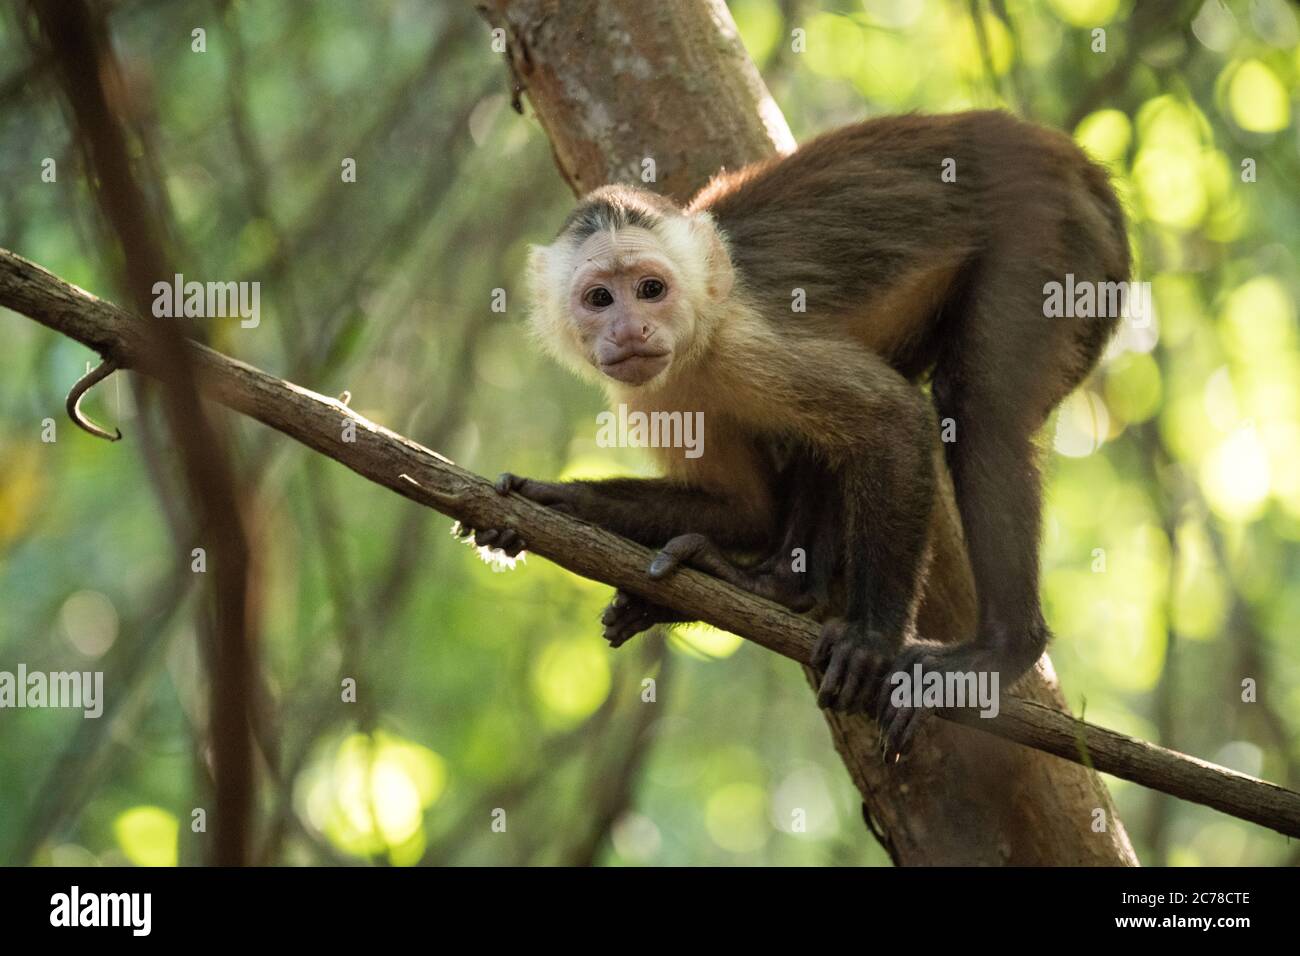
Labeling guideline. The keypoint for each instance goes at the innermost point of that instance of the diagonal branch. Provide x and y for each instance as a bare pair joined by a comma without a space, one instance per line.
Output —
410,469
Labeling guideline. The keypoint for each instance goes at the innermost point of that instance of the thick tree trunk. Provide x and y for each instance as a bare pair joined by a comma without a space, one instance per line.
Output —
617,82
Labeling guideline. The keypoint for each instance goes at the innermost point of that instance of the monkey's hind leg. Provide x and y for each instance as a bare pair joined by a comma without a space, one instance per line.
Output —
1005,369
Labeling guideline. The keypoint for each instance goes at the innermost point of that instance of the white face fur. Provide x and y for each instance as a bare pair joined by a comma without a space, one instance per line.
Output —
631,304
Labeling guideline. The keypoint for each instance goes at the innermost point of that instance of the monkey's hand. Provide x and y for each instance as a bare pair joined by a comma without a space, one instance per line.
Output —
507,540
853,660
697,551
558,496
628,615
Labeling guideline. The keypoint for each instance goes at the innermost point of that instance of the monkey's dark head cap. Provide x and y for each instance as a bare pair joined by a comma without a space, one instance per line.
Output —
617,207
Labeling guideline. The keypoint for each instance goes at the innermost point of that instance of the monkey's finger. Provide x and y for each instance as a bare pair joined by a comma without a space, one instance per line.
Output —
615,607
825,643
893,724
506,483
880,707
621,637
886,724
556,496
684,548
662,565
899,733
487,537
618,615
821,653
903,663
510,542
613,614
827,696
903,743
878,702
854,678
873,676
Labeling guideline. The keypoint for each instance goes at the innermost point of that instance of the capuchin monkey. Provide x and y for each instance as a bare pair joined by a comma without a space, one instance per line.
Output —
800,303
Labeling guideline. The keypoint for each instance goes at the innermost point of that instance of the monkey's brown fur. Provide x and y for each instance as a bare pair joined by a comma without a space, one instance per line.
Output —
816,434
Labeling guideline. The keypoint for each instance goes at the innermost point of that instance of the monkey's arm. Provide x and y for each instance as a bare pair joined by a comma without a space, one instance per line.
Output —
874,431
651,511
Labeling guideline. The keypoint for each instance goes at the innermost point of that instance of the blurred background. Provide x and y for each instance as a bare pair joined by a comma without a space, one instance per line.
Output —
1173,514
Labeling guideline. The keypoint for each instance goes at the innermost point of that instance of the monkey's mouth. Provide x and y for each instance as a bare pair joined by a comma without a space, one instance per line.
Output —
635,367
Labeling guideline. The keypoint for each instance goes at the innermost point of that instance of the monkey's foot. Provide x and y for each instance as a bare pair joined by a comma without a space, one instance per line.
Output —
697,551
896,708
629,614
853,660
505,540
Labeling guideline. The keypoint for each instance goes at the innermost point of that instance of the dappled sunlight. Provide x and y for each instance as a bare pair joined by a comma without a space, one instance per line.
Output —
1236,475
368,795
704,642
1106,135
1082,424
147,836
1257,99
571,678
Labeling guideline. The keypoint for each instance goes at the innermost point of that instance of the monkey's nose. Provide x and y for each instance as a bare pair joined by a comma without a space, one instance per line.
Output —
627,332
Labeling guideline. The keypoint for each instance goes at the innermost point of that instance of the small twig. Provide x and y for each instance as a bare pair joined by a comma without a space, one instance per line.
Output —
84,384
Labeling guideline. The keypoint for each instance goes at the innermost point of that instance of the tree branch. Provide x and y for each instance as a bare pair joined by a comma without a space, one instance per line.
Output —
424,476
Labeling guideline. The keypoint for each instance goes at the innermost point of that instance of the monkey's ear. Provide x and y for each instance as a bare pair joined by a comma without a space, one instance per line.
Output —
720,276
544,275
547,277
538,263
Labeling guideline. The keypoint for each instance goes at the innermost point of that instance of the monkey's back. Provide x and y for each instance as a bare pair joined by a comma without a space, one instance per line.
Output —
858,210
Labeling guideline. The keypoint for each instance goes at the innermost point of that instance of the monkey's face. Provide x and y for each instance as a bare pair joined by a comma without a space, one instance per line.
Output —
630,303
626,305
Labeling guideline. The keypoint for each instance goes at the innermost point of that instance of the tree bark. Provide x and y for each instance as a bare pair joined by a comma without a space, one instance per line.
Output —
617,82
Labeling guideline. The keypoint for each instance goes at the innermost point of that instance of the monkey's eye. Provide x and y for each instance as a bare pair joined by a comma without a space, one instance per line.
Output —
651,289
598,297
